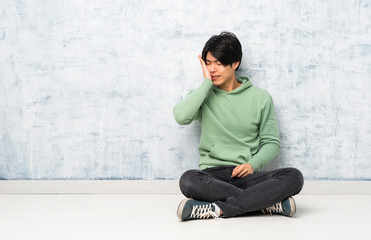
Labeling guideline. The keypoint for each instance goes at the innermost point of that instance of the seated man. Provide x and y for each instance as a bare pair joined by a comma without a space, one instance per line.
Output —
239,136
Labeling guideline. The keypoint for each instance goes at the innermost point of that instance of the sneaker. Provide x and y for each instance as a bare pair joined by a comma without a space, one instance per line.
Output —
285,207
192,209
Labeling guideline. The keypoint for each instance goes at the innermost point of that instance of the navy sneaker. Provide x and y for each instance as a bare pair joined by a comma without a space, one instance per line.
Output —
192,209
285,207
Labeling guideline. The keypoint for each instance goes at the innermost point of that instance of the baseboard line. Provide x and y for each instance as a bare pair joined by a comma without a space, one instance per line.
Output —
157,187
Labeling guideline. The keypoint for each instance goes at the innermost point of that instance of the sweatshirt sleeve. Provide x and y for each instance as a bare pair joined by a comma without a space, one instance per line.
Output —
188,109
269,138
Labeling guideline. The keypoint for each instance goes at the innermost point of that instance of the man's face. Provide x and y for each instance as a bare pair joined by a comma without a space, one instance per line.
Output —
220,75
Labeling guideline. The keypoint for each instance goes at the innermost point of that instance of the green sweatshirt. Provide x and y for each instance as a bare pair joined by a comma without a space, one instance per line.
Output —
237,127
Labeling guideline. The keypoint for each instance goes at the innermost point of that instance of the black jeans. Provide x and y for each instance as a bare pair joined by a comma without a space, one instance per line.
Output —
236,196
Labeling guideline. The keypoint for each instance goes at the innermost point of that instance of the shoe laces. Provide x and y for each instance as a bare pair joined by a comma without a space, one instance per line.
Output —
276,208
203,211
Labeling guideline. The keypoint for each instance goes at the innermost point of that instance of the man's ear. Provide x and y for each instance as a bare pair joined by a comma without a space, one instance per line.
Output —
235,65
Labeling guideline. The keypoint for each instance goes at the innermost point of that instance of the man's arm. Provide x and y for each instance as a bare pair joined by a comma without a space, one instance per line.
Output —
189,108
270,144
269,138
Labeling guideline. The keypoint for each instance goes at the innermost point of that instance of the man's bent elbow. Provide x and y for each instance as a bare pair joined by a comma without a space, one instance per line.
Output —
180,118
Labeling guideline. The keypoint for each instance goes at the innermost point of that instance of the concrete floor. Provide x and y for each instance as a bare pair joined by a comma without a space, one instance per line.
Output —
153,216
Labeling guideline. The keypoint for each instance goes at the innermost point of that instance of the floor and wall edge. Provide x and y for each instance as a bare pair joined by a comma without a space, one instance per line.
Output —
157,187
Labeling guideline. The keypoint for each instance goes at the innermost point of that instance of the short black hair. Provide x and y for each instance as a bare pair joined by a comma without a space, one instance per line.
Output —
225,47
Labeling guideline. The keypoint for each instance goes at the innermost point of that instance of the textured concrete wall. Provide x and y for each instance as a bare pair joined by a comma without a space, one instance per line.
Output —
87,87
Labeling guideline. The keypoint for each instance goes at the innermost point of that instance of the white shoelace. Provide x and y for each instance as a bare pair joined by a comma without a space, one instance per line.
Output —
276,208
203,211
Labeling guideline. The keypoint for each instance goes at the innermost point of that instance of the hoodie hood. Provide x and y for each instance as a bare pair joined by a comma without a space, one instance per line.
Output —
245,85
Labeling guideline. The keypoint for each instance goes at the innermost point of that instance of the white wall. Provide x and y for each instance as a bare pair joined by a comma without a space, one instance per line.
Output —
87,87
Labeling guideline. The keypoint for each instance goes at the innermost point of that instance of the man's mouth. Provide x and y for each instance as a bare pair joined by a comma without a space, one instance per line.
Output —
214,77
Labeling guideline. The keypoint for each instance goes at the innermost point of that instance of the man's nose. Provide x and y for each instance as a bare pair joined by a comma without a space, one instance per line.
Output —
212,68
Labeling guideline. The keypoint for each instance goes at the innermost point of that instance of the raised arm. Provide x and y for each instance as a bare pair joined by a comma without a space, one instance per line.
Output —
189,108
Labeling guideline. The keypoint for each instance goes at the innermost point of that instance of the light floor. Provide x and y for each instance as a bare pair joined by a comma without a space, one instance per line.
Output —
151,216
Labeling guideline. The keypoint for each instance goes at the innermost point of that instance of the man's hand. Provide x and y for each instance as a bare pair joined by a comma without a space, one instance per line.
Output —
204,68
242,170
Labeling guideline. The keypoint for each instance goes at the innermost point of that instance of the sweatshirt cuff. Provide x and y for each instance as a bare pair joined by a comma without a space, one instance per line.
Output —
256,163
207,83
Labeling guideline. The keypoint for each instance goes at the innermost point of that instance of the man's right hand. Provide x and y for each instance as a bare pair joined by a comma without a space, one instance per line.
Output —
204,68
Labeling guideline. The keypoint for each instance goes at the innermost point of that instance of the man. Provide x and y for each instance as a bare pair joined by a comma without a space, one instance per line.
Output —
239,136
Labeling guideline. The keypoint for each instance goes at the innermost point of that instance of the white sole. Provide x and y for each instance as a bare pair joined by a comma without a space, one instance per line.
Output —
293,206
180,208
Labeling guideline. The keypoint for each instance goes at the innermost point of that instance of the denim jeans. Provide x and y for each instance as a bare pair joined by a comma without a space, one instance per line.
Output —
236,196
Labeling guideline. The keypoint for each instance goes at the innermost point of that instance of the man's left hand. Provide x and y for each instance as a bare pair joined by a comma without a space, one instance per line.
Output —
242,170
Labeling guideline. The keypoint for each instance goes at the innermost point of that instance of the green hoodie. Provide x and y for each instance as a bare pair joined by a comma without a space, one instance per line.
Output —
237,127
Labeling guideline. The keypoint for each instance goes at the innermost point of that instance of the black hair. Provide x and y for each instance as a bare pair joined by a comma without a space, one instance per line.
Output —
225,47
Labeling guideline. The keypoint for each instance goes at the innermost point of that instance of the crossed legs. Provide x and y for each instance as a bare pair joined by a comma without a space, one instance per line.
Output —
236,196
